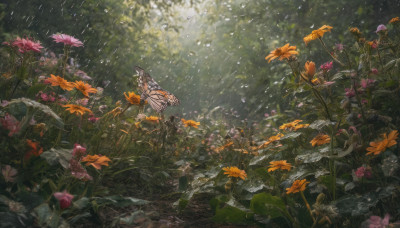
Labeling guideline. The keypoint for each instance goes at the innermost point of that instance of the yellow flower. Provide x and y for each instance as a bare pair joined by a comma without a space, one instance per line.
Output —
96,161
315,81
317,34
320,140
59,81
284,52
380,146
190,123
297,186
355,31
235,172
79,110
152,119
84,88
133,98
274,165
394,20
270,140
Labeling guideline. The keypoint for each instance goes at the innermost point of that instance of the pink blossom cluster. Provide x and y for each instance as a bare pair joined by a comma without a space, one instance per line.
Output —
363,172
46,96
326,66
25,45
67,40
64,198
75,166
10,123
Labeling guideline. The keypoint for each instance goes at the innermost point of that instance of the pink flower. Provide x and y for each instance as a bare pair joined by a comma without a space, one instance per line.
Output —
78,150
374,71
78,171
82,102
339,47
67,40
10,123
350,92
363,172
367,83
326,66
25,45
9,173
377,222
266,115
93,119
83,75
43,96
381,28
64,198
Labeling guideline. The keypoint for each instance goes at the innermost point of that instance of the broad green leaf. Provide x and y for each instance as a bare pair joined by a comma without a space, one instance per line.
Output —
232,215
58,156
268,205
120,201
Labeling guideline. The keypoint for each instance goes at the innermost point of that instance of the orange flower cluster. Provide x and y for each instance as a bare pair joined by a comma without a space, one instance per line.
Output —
235,172
79,110
394,20
320,140
270,140
96,161
36,150
294,125
317,34
84,88
61,82
274,165
133,98
221,148
190,123
152,119
297,186
284,52
380,146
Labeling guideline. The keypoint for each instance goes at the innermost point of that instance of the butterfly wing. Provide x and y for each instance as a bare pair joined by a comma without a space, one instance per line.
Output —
157,97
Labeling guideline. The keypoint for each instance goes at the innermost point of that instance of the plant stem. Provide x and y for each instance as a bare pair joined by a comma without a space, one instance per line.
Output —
333,57
307,205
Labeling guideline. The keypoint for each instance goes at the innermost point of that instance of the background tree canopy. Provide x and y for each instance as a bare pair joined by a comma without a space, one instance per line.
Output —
208,53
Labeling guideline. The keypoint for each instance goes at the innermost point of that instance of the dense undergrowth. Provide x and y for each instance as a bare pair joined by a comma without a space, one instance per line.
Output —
68,151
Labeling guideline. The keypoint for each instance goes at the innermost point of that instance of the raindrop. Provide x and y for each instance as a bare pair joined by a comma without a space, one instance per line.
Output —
243,99
106,10
242,5
227,19
40,6
198,42
238,62
312,26
208,44
231,33
12,12
164,26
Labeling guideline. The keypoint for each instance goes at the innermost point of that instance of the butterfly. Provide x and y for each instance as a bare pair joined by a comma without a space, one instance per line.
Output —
157,97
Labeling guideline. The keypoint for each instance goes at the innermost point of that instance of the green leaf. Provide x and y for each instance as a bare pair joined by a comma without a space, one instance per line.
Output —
46,216
120,201
268,205
319,124
232,215
44,108
58,156
183,183
130,219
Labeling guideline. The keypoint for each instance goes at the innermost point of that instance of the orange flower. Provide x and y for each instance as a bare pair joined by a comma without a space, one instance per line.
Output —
221,148
84,88
59,81
380,146
190,123
284,52
297,186
79,110
394,20
315,81
152,119
320,140
270,140
235,172
317,34
355,31
274,165
35,149
96,161
309,66
293,125
132,98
